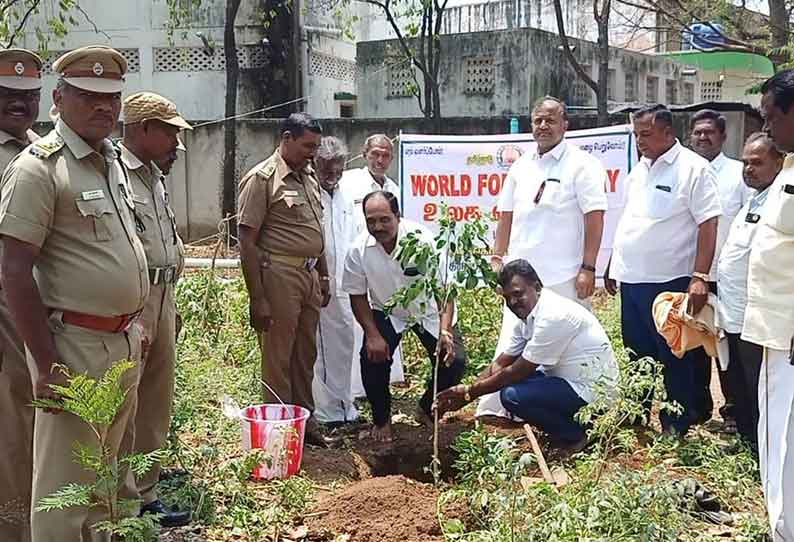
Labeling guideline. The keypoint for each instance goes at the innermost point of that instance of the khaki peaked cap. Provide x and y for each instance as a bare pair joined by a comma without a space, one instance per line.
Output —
20,69
95,68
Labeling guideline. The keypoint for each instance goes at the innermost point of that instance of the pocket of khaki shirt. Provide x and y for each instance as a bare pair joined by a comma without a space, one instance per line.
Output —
100,213
782,213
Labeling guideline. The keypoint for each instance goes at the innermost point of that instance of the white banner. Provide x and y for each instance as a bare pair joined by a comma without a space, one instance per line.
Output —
466,173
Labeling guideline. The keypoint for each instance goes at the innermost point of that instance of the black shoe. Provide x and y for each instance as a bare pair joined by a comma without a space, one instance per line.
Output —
168,518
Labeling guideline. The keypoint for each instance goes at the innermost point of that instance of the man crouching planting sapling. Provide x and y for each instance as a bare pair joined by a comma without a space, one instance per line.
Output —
557,356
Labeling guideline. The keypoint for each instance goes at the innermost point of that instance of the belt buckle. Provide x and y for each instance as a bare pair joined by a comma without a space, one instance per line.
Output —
168,274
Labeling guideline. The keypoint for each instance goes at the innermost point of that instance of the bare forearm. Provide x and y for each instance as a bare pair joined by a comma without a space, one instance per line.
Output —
447,316
322,266
503,229
502,361
363,313
30,315
593,231
706,246
511,374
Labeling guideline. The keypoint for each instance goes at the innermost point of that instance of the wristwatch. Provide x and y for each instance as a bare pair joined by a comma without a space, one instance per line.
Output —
466,392
325,278
590,268
702,276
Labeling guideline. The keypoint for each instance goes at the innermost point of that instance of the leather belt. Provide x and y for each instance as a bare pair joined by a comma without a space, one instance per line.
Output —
162,275
109,324
294,261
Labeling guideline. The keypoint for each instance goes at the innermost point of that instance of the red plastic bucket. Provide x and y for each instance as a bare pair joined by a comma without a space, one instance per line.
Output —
279,431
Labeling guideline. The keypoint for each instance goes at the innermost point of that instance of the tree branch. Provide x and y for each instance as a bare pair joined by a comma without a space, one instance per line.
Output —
20,27
90,21
566,46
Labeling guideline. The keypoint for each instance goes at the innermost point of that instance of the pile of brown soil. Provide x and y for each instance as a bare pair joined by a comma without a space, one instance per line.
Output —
384,509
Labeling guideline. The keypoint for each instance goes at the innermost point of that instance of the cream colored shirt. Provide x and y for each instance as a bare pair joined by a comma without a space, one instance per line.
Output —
155,220
769,315
10,146
356,184
71,201
733,195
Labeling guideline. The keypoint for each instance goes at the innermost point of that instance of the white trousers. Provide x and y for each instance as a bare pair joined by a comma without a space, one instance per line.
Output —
395,376
331,386
776,441
491,404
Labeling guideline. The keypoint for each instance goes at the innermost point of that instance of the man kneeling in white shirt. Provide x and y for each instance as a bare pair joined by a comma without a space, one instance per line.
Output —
371,268
557,354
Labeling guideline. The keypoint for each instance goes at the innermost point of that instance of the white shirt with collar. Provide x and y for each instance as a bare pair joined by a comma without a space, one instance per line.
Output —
356,184
666,201
567,183
370,270
734,264
769,314
339,232
733,195
568,342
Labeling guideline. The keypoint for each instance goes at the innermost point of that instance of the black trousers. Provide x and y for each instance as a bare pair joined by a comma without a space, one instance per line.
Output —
746,360
729,382
375,376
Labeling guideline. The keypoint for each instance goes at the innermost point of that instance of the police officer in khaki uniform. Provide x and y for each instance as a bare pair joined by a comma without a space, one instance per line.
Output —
74,272
20,91
281,247
151,125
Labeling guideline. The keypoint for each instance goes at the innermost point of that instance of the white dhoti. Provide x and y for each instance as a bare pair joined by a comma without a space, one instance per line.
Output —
395,376
776,441
491,404
331,386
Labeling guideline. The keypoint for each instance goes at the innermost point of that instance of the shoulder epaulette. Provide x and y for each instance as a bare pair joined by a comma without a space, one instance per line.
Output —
47,145
268,169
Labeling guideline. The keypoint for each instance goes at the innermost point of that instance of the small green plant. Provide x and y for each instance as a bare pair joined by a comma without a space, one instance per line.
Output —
453,263
97,403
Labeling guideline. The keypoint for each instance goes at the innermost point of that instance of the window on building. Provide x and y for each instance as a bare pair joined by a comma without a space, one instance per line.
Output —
711,91
651,89
611,85
631,87
671,91
478,73
689,93
400,80
347,111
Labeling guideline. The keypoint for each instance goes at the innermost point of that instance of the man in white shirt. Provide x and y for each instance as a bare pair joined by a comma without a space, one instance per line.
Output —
378,153
762,163
559,358
664,243
707,136
552,215
769,313
333,396
372,276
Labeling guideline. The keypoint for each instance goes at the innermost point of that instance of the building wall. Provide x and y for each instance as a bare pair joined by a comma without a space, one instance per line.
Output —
503,72
180,70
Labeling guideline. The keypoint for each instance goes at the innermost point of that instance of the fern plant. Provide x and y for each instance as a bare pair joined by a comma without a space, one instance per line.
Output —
97,403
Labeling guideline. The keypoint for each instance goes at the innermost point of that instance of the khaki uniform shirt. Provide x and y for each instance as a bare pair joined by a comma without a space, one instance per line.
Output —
155,220
11,146
769,315
71,201
284,206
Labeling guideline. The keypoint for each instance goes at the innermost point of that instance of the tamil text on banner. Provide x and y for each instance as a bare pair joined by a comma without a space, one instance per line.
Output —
466,173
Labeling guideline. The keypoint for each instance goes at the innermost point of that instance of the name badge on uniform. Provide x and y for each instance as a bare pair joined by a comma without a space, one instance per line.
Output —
291,193
752,218
664,188
92,195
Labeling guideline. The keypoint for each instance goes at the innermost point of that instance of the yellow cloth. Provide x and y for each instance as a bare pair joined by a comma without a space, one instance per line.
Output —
682,331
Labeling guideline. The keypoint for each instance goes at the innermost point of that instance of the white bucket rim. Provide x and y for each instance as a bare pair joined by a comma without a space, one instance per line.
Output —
304,416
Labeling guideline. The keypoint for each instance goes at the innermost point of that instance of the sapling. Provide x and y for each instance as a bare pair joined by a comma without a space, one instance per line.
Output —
97,403
454,262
